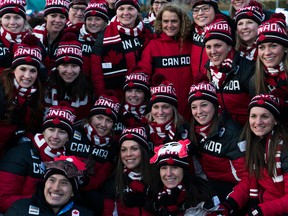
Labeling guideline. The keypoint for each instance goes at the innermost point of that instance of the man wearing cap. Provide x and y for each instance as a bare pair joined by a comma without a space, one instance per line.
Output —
76,12
55,196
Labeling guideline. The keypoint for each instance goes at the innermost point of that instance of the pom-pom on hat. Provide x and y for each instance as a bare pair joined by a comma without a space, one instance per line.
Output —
273,30
253,11
138,134
68,166
267,101
97,9
13,6
69,51
61,116
57,6
107,105
134,3
28,52
79,2
162,91
204,90
137,81
213,3
172,153
219,29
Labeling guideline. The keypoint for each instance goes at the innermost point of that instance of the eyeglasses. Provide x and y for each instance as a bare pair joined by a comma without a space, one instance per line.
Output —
157,3
204,9
76,9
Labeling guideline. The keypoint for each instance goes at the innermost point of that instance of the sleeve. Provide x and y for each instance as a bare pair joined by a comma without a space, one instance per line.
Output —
96,67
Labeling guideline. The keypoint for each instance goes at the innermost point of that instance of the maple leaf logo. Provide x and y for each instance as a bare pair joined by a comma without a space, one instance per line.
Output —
170,161
261,102
249,13
198,94
130,84
113,57
66,59
93,13
262,37
56,121
16,9
129,136
108,111
28,59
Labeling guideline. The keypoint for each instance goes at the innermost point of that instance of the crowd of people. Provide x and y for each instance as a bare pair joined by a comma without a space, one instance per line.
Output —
104,111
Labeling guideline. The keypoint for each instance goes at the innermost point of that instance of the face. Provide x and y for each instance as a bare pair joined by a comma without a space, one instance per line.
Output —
271,54
55,137
162,112
170,23
247,30
12,22
171,176
55,22
157,5
57,191
127,15
217,51
134,96
95,24
25,75
102,124
203,111
261,121
238,4
203,14
130,154
76,13
69,72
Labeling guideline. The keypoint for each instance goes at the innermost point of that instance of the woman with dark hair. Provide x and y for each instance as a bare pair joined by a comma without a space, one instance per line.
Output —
271,73
265,190
133,175
21,109
22,167
247,21
13,29
219,151
67,82
177,192
50,33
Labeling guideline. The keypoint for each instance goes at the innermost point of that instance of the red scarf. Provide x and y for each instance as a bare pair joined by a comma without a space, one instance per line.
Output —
151,18
10,38
46,153
248,52
93,136
138,111
159,132
135,183
22,94
87,36
202,130
41,33
219,75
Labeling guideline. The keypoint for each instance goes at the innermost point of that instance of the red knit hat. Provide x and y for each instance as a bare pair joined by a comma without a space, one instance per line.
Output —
107,105
162,91
61,116
13,6
253,11
219,29
28,52
269,102
137,81
138,134
273,30
134,3
213,3
97,9
57,6
172,153
69,50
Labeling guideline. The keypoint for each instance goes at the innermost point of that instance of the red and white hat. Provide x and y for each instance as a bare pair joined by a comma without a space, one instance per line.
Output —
138,134
137,81
253,11
107,105
172,153
267,101
219,29
134,3
61,116
28,52
273,30
97,9
13,6
57,6
162,91
69,51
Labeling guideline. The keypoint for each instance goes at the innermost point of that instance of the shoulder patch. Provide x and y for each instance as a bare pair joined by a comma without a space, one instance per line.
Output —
34,210
242,146
75,212
77,135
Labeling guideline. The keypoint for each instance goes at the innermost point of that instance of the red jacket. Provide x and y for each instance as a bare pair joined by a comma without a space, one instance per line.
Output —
164,56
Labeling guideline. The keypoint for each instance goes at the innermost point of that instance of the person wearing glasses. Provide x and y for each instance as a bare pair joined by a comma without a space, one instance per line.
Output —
76,12
156,6
203,12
